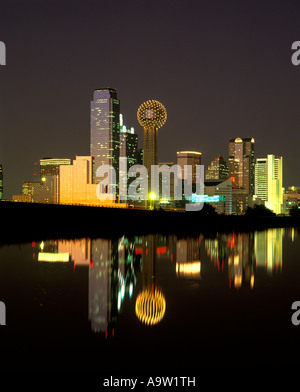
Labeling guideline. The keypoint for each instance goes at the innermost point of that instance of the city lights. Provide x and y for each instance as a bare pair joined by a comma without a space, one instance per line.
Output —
118,174
150,306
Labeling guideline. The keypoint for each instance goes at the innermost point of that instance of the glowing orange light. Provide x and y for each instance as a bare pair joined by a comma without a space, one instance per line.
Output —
150,306
152,114
190,268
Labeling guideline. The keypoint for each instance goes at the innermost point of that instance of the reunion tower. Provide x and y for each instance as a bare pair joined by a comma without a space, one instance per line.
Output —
151,115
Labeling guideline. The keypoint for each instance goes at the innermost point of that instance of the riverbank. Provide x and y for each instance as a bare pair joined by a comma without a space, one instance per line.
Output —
23,222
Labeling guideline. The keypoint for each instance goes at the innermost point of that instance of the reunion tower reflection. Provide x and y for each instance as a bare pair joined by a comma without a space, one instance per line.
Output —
150,303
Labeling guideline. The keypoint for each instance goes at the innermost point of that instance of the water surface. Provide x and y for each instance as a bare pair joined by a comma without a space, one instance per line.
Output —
151,302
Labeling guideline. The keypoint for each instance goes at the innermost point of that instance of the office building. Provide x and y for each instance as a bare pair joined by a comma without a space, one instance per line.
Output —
28,187
22,198
261,179
217,170
105,130
50,166
221,191
47,190
240,201
241,164
166,181
76,184
291,198
1,182
268,182
192,158
128,144
140,156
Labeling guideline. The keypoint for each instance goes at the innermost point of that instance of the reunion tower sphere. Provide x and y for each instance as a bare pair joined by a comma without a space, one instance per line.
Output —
152,114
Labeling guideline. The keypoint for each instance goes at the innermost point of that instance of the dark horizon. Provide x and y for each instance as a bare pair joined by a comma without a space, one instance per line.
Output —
221,70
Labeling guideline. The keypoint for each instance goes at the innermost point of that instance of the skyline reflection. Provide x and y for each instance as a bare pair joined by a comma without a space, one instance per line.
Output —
125,269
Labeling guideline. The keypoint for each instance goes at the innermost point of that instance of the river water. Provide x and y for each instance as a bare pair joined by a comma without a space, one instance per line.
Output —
151,302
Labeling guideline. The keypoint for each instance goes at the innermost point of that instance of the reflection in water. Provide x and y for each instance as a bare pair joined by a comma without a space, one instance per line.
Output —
103,285
268,249
49,252
116,265
240,256
188,262
150,304
245,253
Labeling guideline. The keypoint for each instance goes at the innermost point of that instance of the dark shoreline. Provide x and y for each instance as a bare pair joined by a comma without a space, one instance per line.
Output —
25,222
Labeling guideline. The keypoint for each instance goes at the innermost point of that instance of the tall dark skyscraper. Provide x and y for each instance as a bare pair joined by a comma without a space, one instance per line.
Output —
128,144
241,164
1,182
105,129
217,170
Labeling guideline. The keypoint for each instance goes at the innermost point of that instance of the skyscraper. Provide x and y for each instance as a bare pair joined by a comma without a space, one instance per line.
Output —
105,129
1,182
48,190
76,185
50,166
192,158
268,182
128,144
261,179
241,164
217,170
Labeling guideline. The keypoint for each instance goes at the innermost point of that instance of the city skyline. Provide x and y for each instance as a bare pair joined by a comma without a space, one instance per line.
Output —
235,173
246,182
241,84
140,144
149,189
232,190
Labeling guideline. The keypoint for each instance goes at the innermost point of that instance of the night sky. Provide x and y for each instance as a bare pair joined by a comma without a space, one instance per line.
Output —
221,68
